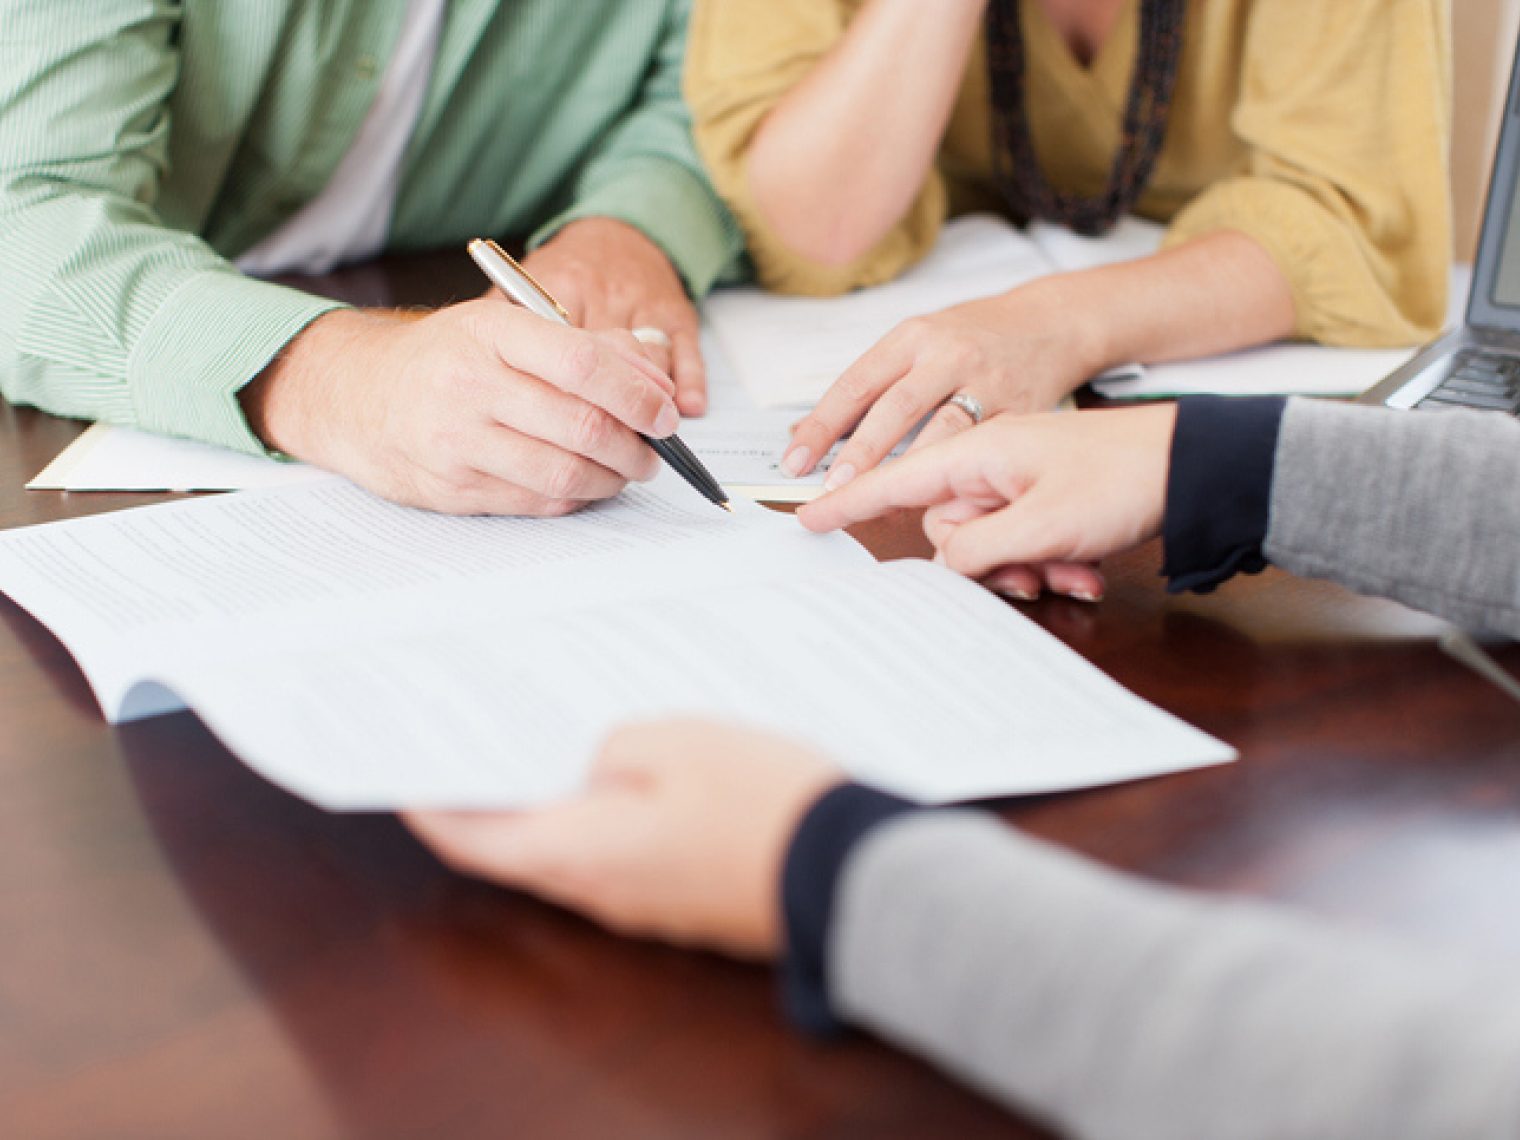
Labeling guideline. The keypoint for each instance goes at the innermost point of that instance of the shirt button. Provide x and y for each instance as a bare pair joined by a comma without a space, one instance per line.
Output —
366,67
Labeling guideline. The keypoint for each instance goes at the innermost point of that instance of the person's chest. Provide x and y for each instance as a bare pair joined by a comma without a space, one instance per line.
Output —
1076,110
271,96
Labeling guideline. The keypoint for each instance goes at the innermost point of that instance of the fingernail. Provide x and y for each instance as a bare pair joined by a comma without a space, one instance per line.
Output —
1084,595
839,475
667,422
1016,594
795,462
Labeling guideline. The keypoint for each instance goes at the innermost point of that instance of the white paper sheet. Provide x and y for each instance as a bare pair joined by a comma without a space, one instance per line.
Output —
110,458
369,656
1274,370
744,449
1130,239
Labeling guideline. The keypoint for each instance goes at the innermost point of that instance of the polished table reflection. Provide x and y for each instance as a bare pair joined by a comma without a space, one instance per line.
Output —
188,951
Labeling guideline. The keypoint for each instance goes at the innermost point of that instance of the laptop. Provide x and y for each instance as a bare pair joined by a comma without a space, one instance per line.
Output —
1478,364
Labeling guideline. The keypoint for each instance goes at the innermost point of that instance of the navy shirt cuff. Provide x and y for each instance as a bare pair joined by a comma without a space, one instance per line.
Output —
839,819
1219,494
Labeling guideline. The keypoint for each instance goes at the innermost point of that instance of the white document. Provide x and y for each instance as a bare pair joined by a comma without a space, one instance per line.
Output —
1067,252
110,458
368,656
743,448
741,443
1273,370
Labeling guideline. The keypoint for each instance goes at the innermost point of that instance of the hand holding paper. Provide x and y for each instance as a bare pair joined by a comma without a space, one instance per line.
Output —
370,656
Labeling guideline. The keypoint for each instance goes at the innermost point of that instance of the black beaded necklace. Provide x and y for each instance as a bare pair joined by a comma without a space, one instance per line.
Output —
1015,165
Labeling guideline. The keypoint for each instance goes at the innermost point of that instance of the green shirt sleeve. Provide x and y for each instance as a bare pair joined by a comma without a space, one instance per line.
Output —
105,312
645,171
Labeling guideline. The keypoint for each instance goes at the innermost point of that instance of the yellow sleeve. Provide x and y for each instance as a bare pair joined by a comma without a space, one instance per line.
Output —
743,56
1345,108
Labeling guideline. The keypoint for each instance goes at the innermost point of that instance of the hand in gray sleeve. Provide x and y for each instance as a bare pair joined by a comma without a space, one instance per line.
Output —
1417,506
1115,1009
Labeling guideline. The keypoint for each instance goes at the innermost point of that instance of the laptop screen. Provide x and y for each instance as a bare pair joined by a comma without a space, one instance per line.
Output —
1495,299
1506,290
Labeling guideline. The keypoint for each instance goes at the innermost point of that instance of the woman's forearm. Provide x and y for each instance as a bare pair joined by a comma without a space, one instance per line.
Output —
1114,1009
841,157
1217,293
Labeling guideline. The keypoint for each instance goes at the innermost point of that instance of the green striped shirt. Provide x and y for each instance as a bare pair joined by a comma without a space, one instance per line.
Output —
144,143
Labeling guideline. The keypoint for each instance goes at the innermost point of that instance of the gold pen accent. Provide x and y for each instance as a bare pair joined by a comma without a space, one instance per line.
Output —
543,294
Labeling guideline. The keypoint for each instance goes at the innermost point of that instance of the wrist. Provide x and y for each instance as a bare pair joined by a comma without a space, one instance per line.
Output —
828,832
291,404
1071,303
594,232
1218,497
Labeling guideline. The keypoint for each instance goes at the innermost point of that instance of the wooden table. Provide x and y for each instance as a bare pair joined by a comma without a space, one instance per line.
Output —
188,951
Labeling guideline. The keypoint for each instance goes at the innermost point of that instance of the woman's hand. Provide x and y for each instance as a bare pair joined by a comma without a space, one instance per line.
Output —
1019,352
1022,501
680,835
1023,351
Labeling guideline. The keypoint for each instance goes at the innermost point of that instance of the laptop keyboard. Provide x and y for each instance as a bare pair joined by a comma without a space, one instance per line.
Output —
1479,380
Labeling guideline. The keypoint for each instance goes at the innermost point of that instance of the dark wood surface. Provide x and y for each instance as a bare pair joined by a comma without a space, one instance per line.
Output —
188,951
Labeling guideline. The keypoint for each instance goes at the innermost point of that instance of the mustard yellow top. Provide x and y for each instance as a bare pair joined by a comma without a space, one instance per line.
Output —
1317,127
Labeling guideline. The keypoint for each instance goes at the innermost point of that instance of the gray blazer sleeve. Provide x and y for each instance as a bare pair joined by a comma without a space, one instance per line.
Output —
1423,507
1114,1009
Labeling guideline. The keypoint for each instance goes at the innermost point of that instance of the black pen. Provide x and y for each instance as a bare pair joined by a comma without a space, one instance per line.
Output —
515,281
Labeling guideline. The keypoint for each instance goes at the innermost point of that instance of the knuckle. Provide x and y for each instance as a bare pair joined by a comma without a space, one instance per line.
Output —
624,341
901,402
648,401
914,329
591,430
963,356
581,362
856,388
451,493
565,479
530,504
440,443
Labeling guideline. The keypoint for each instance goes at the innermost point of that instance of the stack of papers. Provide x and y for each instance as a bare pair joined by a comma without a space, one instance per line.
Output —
368,656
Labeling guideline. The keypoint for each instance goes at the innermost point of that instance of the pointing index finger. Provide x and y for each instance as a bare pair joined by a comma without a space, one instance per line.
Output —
917,480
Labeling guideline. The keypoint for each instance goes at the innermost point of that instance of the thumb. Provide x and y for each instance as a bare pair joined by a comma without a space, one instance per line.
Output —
1028,530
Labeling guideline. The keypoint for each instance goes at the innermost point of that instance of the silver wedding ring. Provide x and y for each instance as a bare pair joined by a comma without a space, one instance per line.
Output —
969,404
648,334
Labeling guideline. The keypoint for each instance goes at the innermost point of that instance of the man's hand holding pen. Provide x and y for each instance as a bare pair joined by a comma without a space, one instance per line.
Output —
477,408
608,275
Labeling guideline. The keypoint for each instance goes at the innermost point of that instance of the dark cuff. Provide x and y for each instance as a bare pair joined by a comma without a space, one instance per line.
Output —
1219,495
809,878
